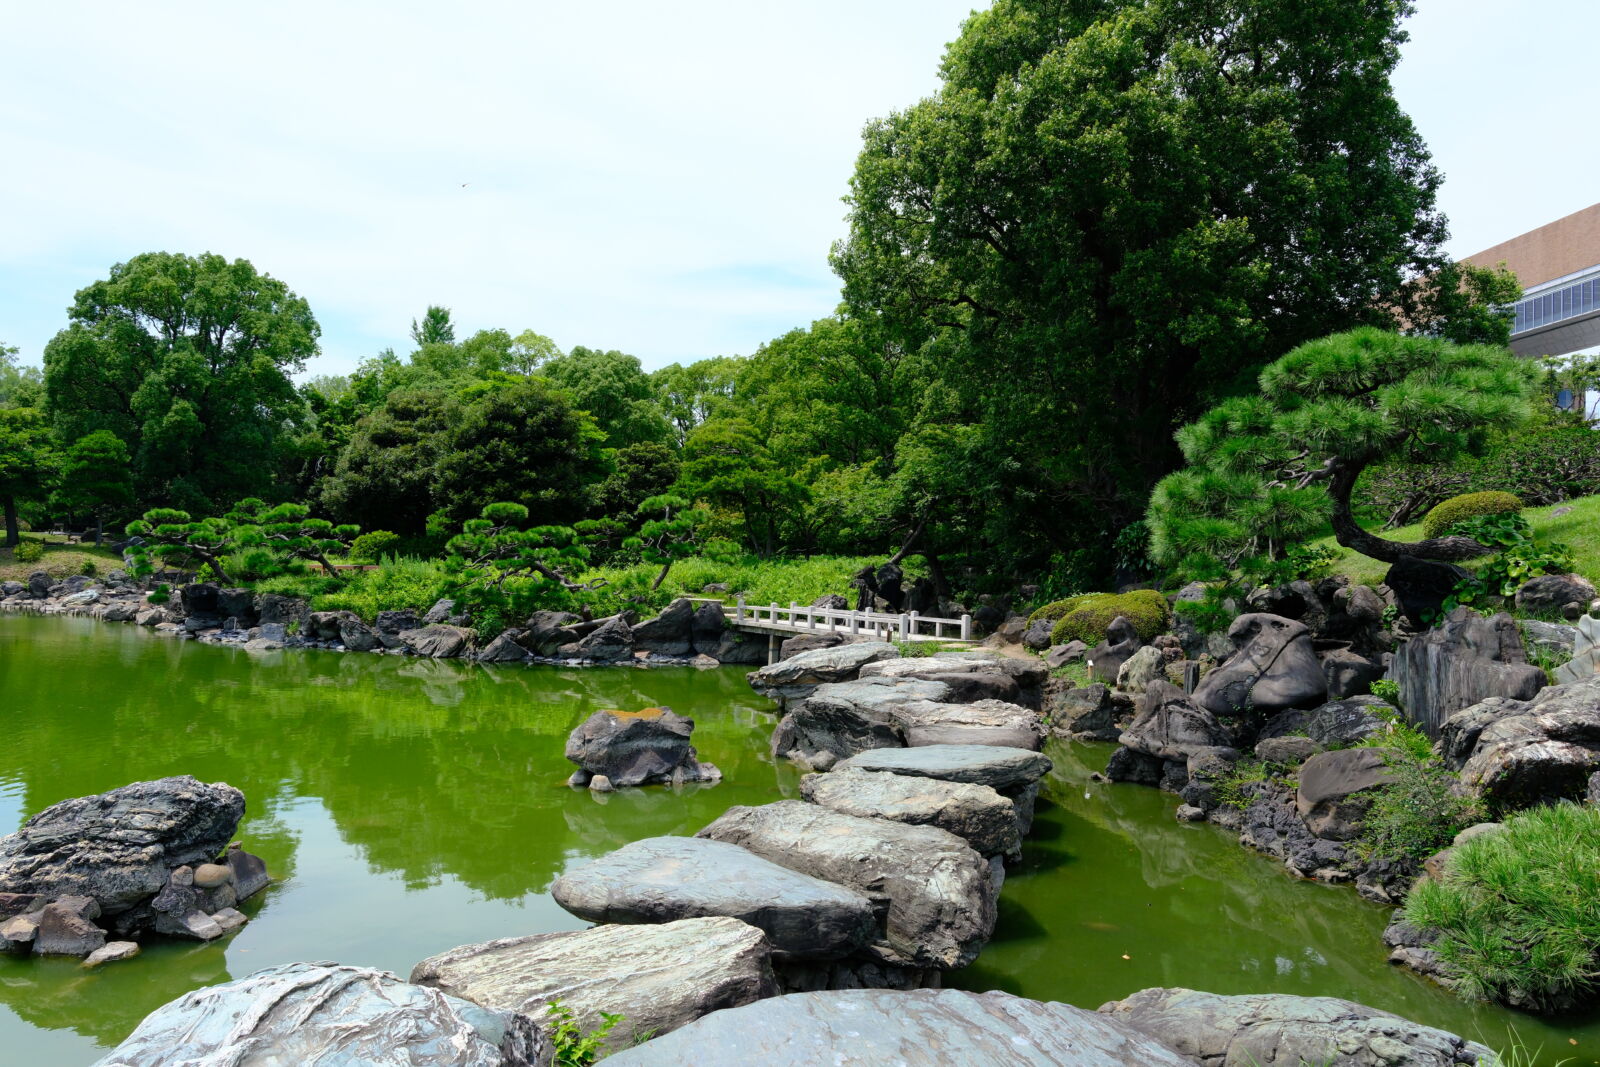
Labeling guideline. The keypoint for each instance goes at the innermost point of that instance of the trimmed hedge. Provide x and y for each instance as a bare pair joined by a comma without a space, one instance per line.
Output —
372,547
1467,506
1085,617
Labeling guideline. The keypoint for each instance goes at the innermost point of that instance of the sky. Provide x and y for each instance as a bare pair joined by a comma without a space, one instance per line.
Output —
661,179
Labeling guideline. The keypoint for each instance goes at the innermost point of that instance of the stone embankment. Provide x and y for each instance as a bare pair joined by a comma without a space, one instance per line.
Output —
686,632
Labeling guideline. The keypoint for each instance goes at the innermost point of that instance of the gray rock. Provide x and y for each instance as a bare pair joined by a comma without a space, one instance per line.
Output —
437,640
669,634
939,894
1061,655
1037,635
546,631
1584,662
11,589
742,648
1014,773
1339,722
1550,593
1287,750
275,608
708,626
638,748
356,635
1542,753
238,604
832,601
67,928
1334,791
112,952
662,879
1087,713
611,643
917,1028
119,847
1106,659
1170,726
79,599
505,649
1140,669
796,678
396,622
1551,638
1349,673
975,813
658,978
333,1016
844,718
39,584
793,646
440,612
1458,736
1464,660
986,722
1275,1028
1275,667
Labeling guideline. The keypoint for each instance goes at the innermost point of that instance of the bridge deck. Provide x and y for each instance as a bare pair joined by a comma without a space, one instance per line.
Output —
805,619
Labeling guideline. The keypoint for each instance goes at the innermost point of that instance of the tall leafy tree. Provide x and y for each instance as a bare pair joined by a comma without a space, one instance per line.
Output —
728,467
613,388
96,478
27,463
435,328
385,476
1115,211
187,359
20,387
692,394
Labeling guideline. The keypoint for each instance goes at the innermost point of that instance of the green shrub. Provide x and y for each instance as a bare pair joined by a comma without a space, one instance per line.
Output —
1515,910
1085,618
372,547
161,594
28,552
1386,689
1215,611
1466,506
88,568
573,1047
395,585
1417,812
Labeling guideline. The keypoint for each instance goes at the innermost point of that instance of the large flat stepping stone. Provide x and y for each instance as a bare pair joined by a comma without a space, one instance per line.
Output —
975,813
842,718
661,879
985,722
939,894
796,677
657,977
991,765
919,1028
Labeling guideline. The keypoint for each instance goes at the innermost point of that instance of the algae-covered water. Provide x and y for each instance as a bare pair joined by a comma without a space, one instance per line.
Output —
408,806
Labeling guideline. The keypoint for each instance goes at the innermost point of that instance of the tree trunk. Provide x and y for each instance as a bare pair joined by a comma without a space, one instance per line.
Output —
906,546
661,577
216,568
99,529
13,532
941,586
1349,533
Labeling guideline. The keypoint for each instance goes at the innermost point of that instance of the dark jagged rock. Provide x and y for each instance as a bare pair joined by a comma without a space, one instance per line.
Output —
941,899
1349,673
1550,594
638,748
1087,713
1107,658
919,1028
1420,587
200,598
793,646
326,1013
1464,660
238,604
1276,1028
611,643
396,622
1137,768
1275,667
740,648
841,719
708,626
505,649
1339,722
1170,726
437,641
669,634
1037,635
1540,753
662,879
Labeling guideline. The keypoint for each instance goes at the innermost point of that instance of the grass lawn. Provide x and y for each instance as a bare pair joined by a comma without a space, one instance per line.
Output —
60,561
1578,529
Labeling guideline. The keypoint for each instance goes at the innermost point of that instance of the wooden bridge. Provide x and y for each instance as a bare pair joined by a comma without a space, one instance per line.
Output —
778,622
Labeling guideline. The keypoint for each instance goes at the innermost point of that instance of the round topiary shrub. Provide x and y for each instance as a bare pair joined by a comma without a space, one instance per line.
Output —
1467,506
372,547
1085,618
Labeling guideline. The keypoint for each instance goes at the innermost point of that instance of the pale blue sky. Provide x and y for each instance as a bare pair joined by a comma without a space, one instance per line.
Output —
664,179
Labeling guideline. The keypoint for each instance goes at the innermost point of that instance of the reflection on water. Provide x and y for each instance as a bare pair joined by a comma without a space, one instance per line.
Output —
407,806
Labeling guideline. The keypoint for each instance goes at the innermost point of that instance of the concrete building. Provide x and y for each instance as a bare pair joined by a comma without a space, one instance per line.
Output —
1559,267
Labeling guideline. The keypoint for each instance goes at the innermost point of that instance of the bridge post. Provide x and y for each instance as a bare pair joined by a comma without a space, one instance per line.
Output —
772,613
904,624
738,610
966,627
855,622
913,617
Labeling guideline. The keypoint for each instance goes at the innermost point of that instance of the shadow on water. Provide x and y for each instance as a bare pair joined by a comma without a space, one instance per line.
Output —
407,806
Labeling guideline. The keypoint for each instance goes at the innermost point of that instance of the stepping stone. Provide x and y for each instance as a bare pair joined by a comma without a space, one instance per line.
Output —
661,879
1014,773
985,722
976,813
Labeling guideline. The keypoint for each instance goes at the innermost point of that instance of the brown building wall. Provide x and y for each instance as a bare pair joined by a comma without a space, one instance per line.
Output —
1555,250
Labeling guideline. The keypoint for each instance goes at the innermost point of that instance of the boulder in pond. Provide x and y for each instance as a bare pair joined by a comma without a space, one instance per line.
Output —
796,678
1014,773
1335,790
840,719
638,748
612,642
1274,667
669,634
975,813
437,640
39,583
658,978
793,646
507,648
985,722
708,625
118,848
939,893
1276,1028
546,631
917,1028
662,879
1460,662
332,1016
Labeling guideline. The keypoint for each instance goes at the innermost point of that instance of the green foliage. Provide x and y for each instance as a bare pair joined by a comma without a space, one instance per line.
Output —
1397,734
1416,812
1520,558
372,547
1299,562
171,536
27,462
614,390
1231,790
1132,549
728,466
1469,505
573,1046
1386,689
760,581
1215,611
89,568
96,478
667,533
502,571
289,531
187,360
398,583
28,552
161,594
1265,472
1516,911
20,387
1086,616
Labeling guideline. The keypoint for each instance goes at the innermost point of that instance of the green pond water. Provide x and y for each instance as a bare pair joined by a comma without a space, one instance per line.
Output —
407,806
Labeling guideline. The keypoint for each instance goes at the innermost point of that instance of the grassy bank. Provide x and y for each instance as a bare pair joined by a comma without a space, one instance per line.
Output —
60,560
1578,527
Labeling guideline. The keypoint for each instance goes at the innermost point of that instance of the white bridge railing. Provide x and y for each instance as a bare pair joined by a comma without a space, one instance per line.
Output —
802,618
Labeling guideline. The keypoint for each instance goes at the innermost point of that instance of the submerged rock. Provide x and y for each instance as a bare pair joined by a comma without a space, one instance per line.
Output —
941,900
632,748
1274,1028
657,977
661,879
919,1028
332,1016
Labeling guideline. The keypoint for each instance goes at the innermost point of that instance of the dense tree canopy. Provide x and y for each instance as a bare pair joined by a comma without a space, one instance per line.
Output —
96,479
27,462
187,360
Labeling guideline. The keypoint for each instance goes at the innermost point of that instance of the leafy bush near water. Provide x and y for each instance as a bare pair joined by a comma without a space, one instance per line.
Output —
1517,910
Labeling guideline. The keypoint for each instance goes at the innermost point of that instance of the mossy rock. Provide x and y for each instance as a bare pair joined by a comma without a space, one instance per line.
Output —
1085,617
1467,506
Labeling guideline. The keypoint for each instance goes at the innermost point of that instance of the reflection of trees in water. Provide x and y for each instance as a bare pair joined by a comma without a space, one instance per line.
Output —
52,993
431,768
